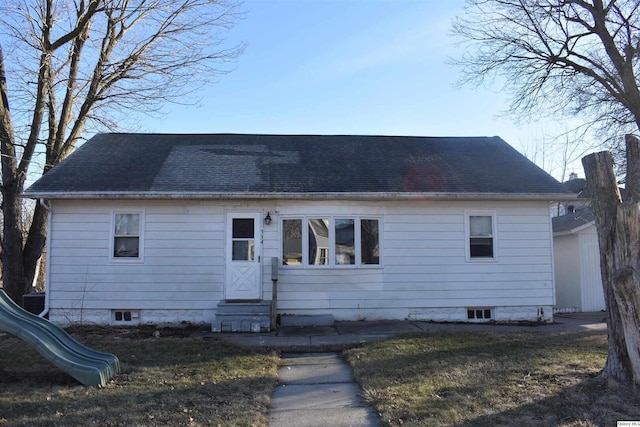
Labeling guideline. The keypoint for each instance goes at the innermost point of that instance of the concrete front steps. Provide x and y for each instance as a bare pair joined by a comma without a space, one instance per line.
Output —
242,317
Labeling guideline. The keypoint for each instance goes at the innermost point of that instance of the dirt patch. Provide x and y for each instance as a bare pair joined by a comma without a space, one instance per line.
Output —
86,332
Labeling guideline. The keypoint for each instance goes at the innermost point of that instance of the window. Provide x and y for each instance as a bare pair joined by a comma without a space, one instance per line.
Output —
124,317
127,235
479,314
292,242
345,241
329,241
481,236
369,242
318,241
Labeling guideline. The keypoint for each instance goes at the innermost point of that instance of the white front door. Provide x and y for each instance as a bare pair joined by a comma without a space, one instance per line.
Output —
243,255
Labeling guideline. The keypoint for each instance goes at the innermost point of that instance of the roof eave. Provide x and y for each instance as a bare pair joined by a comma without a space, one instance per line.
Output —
574,230
300,196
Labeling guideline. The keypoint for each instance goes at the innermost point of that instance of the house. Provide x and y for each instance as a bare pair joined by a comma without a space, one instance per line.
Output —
575,185
577,262
160,228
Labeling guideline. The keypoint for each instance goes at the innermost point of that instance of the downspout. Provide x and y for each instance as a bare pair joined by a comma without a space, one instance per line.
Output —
45,311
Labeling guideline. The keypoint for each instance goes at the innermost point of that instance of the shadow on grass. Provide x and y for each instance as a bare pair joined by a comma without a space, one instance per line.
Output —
491,379
165,381
590,403
420,353
224,403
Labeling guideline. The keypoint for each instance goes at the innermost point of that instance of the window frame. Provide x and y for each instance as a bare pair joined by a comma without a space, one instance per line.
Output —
467,235
331,253
112,236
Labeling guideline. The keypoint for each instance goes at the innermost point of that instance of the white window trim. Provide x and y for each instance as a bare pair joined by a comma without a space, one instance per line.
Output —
332,236
127,260
467,236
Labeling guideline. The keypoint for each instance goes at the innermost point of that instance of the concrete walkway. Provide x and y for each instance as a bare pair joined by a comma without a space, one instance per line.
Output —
341,335
317,389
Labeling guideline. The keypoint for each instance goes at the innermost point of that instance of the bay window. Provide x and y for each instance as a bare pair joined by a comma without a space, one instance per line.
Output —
330,241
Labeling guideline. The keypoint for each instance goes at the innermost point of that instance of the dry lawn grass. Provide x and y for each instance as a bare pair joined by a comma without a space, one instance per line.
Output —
501,379
170,380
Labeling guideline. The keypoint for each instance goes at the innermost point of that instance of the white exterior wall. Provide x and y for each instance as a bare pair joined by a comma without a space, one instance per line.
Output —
567,264
577,271
424,271
592,294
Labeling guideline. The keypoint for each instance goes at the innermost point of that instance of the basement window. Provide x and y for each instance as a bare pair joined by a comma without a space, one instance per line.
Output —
475,313
125,317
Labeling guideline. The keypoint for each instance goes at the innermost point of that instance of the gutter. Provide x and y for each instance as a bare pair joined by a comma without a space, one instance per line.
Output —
371,196
45,310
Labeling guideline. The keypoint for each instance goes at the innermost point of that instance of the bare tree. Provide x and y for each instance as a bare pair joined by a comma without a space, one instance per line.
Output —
85,64
570,57
558,57
557,154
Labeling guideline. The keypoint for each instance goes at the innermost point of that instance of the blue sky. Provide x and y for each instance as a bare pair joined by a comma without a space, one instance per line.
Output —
371,67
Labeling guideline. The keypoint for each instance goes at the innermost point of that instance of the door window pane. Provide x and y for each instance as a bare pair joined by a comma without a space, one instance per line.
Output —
369,242
318,241
243,228
243,250
345,241
292,242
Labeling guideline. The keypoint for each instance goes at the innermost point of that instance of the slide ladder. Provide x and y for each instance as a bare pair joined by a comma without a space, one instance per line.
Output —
90,367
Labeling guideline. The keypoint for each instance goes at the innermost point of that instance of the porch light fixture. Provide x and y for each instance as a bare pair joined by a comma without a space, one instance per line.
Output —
267,219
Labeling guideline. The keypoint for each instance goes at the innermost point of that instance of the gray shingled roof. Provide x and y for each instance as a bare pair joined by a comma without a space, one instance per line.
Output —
573,220
171,165
578,186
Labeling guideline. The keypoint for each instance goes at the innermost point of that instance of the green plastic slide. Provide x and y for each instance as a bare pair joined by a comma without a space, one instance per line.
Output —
90,367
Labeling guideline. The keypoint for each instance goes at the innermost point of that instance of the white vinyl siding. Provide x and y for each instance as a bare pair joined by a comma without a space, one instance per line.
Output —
422,248
592,291
424,252
578,278
182,269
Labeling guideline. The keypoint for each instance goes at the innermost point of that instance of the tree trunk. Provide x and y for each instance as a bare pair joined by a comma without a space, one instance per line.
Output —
12,264
605,195
618,226
34,245
626,279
